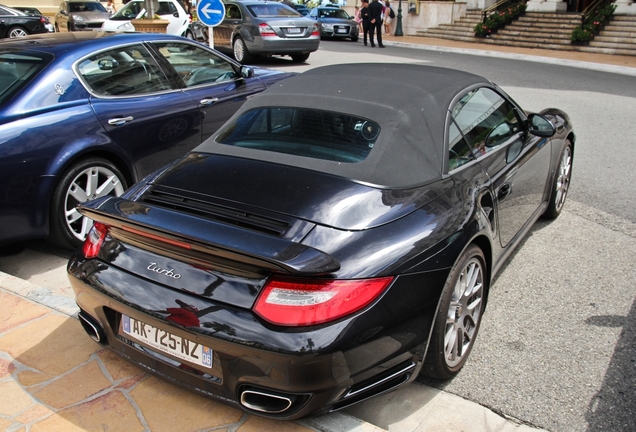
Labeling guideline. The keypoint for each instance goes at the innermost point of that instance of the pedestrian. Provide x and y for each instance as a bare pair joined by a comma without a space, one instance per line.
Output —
388,17
375,15
366,21
110,7
358,19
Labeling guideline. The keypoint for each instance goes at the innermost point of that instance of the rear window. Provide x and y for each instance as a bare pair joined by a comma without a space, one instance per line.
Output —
303,132
272,10
18,69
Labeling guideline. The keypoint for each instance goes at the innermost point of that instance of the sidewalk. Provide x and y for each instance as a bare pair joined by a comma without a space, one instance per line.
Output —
53,377
602,62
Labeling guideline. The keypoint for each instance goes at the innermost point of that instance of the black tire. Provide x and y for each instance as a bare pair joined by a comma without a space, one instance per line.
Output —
241,54
561,183
298,58
459,312
354,39
67,228
17,31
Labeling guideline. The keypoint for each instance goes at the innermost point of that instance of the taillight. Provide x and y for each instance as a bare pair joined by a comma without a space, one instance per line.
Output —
314,31
94,240
290,302
265,30
43,20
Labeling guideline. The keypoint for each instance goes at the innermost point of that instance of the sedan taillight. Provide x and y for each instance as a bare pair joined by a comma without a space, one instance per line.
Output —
290,302
315,31
266,31
94,240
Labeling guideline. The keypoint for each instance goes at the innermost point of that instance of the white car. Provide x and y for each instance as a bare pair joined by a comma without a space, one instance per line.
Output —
169,10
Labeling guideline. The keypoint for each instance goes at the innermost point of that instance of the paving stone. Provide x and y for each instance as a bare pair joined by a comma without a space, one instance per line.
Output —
117,367
169,408
4,424
30,378
36,412
53,344
111,412
15,311
74,387
259,424
6,368
13,399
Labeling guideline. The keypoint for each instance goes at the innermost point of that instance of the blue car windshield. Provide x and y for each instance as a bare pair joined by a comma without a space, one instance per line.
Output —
17,69
272,10
303,132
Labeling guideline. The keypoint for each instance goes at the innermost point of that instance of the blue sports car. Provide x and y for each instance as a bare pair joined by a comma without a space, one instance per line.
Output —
84,115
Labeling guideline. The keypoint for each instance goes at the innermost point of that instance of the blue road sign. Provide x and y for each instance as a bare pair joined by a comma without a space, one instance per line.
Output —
211,12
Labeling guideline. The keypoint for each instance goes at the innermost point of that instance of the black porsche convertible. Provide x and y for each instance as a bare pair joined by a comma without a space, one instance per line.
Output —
328,243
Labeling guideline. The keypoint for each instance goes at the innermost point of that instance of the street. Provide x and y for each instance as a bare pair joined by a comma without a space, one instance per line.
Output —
557,346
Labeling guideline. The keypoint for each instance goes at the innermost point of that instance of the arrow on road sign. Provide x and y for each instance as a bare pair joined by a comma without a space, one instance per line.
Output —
207,11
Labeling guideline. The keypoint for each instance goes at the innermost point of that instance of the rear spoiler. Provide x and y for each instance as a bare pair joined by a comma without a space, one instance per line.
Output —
210,237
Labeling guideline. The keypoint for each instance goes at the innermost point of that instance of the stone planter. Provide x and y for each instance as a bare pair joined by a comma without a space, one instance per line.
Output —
150,26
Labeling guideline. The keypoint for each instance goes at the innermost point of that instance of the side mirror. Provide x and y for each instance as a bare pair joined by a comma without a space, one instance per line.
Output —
540,126
247,72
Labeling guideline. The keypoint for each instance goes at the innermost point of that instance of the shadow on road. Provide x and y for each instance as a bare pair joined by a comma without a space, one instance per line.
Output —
613,408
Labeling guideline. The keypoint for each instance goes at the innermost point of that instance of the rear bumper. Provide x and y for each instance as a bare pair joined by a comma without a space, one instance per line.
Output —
317,369
278,46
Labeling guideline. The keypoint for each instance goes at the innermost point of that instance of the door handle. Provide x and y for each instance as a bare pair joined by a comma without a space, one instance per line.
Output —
504,190
120,120
209,101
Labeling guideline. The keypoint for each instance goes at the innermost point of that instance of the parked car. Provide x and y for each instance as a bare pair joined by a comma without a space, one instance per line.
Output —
90,113
80,15
170,10
15,23
256,28
335,23
36,13
327,244
197,31
301,8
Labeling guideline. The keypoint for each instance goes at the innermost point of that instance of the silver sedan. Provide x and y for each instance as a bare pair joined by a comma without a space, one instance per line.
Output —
263,28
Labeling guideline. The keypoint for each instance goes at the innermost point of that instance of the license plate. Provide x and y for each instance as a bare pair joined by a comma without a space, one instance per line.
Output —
293,30
166,342
341,30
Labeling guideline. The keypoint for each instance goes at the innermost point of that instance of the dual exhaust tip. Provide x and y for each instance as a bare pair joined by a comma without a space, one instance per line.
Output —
270,402
93,328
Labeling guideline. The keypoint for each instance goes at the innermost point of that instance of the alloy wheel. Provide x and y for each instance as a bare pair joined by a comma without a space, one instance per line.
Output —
91,183
464,313
563,178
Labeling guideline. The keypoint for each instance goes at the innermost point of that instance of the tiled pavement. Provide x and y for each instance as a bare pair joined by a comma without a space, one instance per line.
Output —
54,378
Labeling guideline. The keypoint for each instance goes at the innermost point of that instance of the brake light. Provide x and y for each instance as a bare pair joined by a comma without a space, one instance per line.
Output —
94,240
314,31
296,303
266,31
42,19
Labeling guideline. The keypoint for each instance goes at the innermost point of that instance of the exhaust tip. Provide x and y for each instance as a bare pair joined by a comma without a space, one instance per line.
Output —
93,328
266,402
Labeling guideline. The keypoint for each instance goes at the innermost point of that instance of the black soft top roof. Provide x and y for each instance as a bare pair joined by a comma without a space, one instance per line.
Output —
409,102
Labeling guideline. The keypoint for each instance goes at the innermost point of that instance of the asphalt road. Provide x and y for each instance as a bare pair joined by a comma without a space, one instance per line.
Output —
557,347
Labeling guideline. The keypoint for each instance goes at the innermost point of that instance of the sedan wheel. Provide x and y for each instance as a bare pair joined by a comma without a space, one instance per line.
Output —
241,54
87,180
561,183
458,316
15,32
298,58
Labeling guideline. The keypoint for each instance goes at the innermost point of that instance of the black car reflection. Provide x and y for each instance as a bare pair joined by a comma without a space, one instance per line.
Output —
328,244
